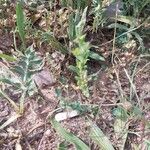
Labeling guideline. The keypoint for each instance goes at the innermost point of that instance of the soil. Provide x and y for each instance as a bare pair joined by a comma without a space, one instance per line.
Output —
34,131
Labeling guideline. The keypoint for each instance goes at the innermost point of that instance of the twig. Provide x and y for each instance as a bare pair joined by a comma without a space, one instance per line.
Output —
114,38
133,87
120,88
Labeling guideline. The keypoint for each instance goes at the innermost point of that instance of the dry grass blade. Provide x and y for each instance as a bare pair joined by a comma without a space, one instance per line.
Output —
133,87
10,120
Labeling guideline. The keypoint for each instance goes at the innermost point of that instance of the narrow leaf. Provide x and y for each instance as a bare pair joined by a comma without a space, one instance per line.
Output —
99,138
96,56
7,57
128,20
80,145
81,24
20,21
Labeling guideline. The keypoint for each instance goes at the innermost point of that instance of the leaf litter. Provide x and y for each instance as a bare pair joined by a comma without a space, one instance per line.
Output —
33,129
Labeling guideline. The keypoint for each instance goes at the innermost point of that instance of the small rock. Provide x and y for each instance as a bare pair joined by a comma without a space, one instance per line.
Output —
44,78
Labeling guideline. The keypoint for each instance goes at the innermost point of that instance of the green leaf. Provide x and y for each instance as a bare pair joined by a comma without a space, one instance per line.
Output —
71,28
22,62
13,82
64,3
7,81
80,145
73,68
81,24
35,61
20,21
120,113
128,20
137,112
63,146
23,71
20,70
7,57
99,137
140,40
96,56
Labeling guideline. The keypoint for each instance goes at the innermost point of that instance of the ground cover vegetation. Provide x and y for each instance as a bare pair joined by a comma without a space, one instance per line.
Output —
74,74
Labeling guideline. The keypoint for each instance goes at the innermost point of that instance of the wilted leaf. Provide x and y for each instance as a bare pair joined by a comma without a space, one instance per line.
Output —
121,132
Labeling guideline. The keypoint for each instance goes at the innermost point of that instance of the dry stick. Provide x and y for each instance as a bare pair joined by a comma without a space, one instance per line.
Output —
109,105
133,87
142,68
113,53
137,59
132,77
120,88
114,38
55,16
14,38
